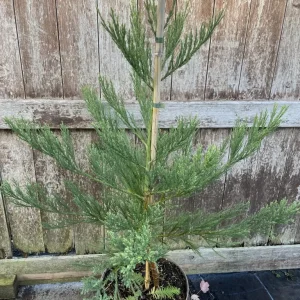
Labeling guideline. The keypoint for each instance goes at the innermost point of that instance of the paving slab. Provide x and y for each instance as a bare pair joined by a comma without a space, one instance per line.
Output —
230,286
282,285
57,291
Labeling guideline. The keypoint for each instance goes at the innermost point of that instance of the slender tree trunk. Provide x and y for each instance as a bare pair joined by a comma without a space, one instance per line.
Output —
159,39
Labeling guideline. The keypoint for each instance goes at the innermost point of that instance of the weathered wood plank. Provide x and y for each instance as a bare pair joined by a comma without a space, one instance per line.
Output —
8,287
258,178
11,81
237,189
188,83
286,84
112,63
5,246
212,114
38,37
225,260
16,162
289,185
50,264
78,36
220,260
51,177
88,238
226,51
267,173
210,199
263,36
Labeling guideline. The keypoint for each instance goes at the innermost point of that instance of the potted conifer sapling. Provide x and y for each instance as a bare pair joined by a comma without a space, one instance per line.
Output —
139,181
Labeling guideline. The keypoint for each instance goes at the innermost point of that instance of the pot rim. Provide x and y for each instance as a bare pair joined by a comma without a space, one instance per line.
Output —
188,297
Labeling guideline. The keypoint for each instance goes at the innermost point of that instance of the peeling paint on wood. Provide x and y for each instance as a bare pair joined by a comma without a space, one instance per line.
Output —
286,84
11,81
212,114
16,162
227,49
78,37
263,36
188,83
38,36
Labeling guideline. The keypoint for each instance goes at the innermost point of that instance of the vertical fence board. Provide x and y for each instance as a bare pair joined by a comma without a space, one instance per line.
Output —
11,81
257,178
37,29
165,84
25,223
226,51
263,36
78,37
189,82
51,177
89,238
5,246
210,199
286,84
112,63
238,187
289,184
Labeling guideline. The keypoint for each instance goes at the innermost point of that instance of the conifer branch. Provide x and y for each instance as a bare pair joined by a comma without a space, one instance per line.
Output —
190,44
132,43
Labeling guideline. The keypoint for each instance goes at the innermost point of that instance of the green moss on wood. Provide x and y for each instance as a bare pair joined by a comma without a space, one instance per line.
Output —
8,286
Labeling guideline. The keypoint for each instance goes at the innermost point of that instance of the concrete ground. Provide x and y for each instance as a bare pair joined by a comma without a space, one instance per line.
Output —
266,285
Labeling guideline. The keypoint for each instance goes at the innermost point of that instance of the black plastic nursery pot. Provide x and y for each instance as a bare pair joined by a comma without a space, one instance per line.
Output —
170,274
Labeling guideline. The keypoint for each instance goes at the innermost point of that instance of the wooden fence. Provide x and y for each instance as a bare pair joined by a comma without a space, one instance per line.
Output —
50,48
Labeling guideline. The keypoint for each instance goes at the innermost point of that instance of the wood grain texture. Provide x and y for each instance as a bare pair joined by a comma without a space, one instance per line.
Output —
112,63
237,189
38,36
210,199
227,49
257,179
212,114
188,83
289,185
88,238
220,260
5,245
286,84
78,37
16,163
263,36
225,260
11,81
51,177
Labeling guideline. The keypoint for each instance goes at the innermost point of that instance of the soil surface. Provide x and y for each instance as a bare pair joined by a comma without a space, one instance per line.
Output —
169,275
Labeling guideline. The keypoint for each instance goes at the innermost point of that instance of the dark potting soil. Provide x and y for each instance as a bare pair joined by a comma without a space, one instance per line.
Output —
169,275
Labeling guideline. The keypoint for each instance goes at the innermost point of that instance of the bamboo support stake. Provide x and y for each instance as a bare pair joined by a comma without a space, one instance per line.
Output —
159,39
157,74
